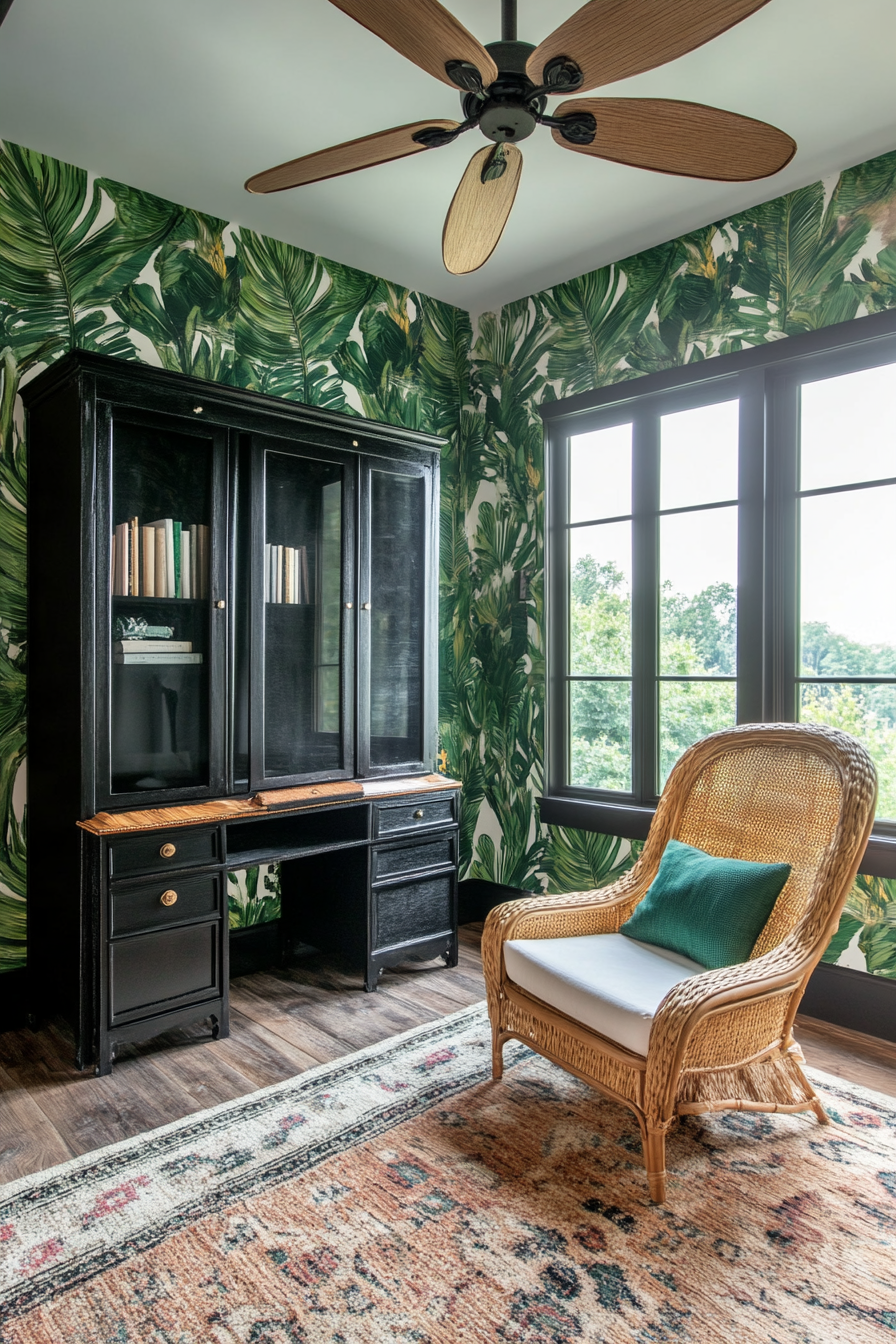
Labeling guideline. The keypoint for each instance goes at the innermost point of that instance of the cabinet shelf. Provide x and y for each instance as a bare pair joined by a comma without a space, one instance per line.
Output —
160,663
130,601
250,858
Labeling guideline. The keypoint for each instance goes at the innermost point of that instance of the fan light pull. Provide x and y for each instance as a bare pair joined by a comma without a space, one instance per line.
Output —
494,165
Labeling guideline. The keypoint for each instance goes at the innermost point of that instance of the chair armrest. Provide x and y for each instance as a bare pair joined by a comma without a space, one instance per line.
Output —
722,1018
567,915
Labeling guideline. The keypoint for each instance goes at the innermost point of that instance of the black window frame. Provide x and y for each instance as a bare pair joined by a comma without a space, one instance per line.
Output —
766,381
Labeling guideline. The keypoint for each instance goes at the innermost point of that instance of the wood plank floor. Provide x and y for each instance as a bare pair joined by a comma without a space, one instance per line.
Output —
282,1022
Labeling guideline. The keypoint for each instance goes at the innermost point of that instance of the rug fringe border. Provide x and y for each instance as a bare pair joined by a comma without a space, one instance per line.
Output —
83,1161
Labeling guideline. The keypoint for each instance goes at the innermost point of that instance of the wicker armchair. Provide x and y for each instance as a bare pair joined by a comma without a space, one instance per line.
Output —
798,793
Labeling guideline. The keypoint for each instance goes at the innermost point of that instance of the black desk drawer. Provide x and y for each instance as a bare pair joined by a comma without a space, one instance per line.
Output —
413,910
413,858
155,851
415,816
161,903
158,972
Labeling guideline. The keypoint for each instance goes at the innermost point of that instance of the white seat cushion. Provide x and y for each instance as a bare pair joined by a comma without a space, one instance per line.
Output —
606,981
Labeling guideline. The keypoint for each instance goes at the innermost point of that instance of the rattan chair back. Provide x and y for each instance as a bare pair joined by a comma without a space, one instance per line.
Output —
775,793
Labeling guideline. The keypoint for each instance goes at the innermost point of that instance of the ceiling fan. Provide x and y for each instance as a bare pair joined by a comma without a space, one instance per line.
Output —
504,91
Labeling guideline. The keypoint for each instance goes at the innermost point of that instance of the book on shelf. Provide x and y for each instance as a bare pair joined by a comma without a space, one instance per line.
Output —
133,555
164,558
186,575
148,560
152,646
165,528
176,531
161,561
286,574
158,659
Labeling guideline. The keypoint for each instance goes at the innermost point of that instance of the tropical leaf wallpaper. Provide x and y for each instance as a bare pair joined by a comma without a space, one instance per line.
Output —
90,263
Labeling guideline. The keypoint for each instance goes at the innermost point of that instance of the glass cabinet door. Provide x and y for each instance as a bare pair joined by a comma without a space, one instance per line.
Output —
394,569
165,655
301,655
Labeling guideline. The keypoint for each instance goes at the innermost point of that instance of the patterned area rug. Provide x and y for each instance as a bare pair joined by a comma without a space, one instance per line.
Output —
400,1195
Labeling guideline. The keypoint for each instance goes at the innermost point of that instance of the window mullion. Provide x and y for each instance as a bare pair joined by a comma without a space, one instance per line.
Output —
557,608
751,549
645,602
781,634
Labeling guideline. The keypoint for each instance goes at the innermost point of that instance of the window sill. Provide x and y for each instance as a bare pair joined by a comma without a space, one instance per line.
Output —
626,819
633,822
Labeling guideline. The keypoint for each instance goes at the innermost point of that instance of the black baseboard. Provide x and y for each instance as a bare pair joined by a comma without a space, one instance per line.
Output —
853,999
476,896
835,994
15,999
255,949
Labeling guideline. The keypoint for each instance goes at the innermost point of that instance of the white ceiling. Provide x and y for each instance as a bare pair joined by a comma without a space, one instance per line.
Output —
187,98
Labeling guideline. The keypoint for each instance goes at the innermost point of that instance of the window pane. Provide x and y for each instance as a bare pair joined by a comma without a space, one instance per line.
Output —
698,593
600,599
847,581
690,710
600,714
848,428
868,713
698,455
600,474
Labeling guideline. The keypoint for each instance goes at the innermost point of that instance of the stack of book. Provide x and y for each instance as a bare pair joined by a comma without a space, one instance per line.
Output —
286,574
160,559
154,651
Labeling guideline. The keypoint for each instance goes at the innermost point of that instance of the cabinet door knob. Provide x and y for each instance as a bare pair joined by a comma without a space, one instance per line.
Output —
220,604
365,606
169,897
418,815
168,851
349,605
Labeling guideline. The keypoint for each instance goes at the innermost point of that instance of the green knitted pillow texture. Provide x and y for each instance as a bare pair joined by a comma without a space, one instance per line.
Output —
711,910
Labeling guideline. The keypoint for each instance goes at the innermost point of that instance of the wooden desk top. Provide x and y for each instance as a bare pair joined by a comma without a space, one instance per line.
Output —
269,803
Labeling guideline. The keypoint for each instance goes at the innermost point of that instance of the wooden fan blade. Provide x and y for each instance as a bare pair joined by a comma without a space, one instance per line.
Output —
686,139
613,39
348,158
424,32
479,211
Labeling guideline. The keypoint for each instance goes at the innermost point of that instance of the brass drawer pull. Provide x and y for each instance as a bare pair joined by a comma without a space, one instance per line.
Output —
168,851
169,897
418,815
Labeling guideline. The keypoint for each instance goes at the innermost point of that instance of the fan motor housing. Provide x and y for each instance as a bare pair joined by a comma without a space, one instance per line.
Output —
508,110
503,122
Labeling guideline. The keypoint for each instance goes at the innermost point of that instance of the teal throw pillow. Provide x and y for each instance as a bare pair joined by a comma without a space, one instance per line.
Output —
711,910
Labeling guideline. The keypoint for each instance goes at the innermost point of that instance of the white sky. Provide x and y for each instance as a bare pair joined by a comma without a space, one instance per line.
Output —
600,474
698,455
848,572
848,429
697,549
